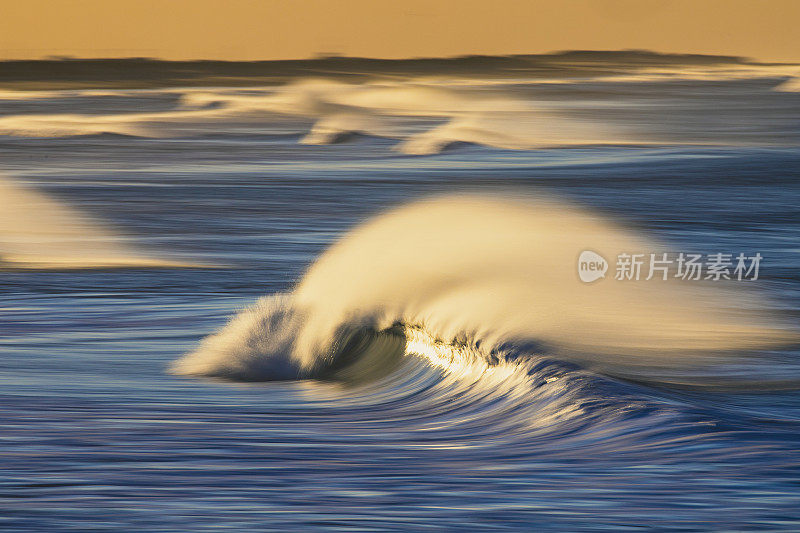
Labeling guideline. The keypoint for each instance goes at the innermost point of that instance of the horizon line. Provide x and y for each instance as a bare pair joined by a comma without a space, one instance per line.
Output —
334,55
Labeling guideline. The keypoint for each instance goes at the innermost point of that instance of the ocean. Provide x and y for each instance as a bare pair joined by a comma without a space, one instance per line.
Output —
352,303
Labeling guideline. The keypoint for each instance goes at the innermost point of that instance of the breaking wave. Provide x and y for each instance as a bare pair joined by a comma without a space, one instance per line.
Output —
427,114
338,110
39,232
485,285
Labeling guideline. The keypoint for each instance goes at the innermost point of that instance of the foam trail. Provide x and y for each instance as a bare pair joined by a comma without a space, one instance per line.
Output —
486,273
38,232
156,124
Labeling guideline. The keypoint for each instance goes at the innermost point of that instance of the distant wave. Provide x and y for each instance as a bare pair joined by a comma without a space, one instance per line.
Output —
791,85
155,124
475,284
339,110
38,232
424,114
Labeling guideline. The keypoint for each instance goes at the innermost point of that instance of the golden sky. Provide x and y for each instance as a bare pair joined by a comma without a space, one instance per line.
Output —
283,29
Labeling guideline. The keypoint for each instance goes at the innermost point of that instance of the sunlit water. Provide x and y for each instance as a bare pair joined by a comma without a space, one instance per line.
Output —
95,434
